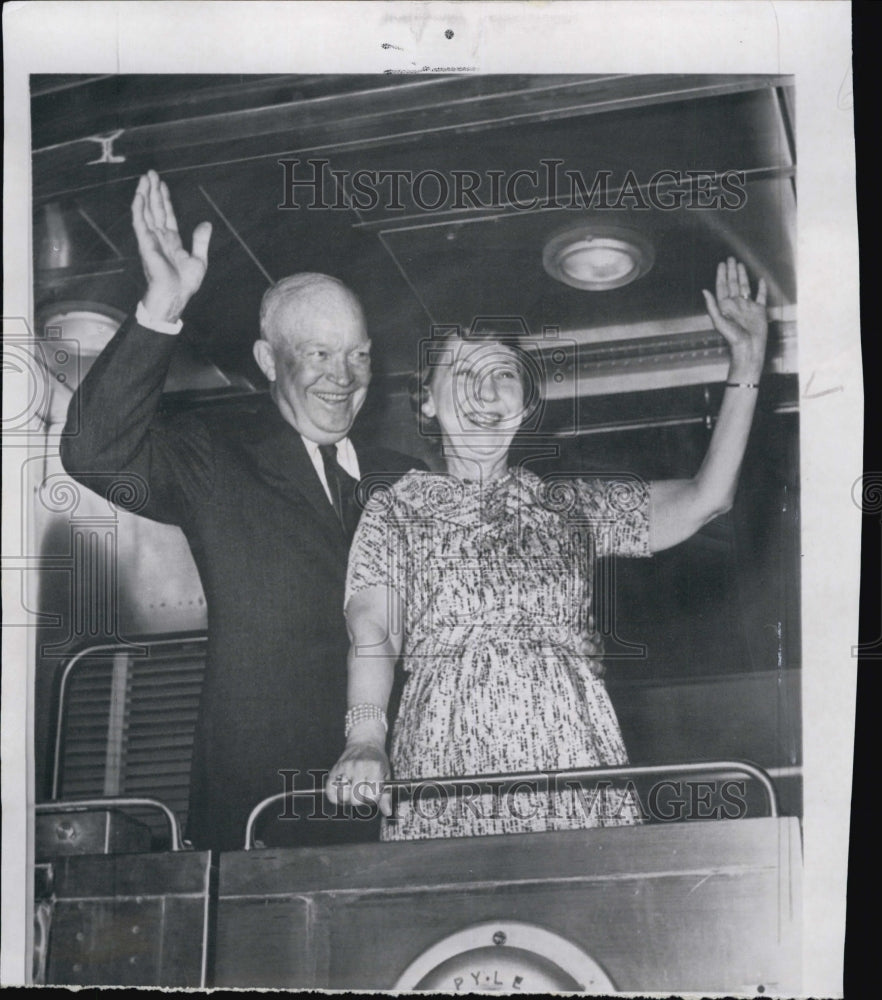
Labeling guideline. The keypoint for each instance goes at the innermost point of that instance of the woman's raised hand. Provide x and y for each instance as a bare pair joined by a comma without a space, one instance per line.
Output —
358,777
173,274
741,320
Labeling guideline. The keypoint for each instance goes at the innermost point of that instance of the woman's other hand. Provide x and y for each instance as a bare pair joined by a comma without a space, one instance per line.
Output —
591,648
680,507
741,320
359,775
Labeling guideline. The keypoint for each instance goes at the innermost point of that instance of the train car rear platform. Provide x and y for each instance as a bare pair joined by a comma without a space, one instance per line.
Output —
707,906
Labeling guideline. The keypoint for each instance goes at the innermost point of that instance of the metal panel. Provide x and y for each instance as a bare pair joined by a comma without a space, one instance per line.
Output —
138,920
710,906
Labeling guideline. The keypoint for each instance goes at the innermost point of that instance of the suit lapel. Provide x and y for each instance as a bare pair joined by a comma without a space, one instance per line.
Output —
284,464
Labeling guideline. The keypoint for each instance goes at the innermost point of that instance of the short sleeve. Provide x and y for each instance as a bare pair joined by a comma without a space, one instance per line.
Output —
618,509
376,555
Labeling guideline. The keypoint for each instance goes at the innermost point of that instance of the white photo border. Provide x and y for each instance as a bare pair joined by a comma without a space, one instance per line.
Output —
810,40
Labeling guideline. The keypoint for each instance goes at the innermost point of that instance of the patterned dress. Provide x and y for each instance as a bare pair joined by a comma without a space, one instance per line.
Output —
496,584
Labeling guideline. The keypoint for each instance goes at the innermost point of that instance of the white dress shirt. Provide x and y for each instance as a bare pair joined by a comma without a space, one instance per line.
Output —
143,318
345,456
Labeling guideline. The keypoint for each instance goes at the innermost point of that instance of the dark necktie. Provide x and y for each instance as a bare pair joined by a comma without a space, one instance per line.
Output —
342,487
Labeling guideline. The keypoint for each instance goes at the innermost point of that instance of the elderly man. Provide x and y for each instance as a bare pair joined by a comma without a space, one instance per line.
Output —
267,505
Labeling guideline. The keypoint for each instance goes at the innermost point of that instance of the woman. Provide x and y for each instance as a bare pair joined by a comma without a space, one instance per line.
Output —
480,580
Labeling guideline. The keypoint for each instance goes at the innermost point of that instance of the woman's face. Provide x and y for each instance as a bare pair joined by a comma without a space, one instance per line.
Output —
477,396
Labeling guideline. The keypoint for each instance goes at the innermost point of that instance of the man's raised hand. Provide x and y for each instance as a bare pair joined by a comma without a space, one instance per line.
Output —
173,275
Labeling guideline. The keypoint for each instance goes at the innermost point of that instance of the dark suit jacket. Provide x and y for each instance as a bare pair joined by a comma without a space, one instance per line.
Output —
272,559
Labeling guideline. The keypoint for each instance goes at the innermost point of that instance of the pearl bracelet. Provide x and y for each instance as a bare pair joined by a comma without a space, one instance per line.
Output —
742,385
361,713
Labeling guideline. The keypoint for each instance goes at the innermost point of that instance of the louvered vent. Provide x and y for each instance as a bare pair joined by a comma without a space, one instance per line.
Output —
129,716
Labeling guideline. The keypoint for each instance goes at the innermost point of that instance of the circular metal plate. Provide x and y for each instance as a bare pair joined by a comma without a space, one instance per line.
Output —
504,957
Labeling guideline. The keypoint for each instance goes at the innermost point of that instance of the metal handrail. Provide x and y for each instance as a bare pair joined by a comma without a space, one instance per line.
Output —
84,805
78,658
541,777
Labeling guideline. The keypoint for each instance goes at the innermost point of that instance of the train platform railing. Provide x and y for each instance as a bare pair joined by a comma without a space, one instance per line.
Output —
148,918
129,729
65,832
705,907
718,770
126,715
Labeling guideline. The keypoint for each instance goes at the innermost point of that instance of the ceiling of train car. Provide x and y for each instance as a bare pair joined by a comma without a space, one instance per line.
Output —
218,142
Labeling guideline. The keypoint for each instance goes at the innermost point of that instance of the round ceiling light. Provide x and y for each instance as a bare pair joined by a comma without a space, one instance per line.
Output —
597,258
90,325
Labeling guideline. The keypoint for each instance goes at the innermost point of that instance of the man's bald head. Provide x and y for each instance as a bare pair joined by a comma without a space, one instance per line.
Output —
298,298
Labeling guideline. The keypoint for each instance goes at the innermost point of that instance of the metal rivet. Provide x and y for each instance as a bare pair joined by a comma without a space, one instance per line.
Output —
136,929
499,937
133,960
77,967
81,936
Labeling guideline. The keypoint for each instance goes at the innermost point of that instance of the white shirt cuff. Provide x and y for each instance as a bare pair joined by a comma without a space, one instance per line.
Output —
144,319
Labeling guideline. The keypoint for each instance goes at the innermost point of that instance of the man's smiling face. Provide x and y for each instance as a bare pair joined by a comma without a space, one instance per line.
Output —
316,354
